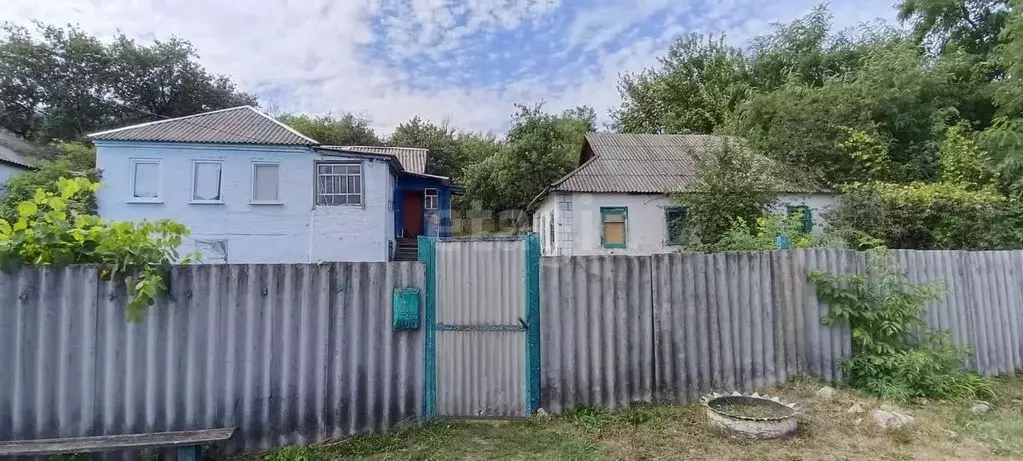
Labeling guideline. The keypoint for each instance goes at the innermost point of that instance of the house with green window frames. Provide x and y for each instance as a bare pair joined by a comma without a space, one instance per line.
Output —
617,200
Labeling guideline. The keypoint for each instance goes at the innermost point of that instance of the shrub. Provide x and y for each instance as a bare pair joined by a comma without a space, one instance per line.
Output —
73,160
894,355
48,231
926,216
763,235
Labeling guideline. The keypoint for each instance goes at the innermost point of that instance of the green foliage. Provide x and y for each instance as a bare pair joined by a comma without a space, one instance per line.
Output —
963,162
732,184
926,216
48,231
540,148
446,155
74,160
295,453
698,83
347,130
970,25
869,156
61,83
894,355
763,235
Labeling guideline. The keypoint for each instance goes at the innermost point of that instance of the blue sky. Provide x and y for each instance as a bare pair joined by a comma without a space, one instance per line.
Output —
466,62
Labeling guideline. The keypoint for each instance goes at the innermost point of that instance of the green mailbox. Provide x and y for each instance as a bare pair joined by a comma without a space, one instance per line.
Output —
405,309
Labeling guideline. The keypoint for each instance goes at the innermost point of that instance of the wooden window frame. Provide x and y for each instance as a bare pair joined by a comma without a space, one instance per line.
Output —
220,184
159,181
252,182
667,224
318,194
427,196
610,210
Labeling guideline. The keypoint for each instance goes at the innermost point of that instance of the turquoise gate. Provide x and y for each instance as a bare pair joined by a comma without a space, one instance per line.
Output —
482,327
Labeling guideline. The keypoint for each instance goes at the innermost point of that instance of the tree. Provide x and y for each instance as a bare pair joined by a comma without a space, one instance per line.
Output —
445,151
346,130
698,83
733,184
539,149
970,25
62,83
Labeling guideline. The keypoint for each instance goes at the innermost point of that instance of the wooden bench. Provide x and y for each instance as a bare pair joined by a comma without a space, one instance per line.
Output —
189,443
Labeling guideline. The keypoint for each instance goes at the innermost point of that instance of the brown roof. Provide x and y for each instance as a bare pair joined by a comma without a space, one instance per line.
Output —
237,125
412,159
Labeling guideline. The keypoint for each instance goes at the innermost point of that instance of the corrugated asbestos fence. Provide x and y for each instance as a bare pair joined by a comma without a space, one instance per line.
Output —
620,329
286,353
301,353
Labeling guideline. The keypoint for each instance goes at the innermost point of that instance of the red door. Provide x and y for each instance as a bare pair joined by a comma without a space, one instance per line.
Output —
412,213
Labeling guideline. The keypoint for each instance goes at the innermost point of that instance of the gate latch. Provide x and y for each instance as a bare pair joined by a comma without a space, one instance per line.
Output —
525,326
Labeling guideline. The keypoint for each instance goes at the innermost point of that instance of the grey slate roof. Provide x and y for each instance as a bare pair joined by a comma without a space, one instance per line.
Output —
17,151
412,159
237,125
637,163
645,163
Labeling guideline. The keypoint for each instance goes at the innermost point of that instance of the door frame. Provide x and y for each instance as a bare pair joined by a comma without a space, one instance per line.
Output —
428,255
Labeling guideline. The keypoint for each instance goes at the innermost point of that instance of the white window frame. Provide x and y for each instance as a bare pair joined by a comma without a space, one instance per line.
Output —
362,183
191,191
427,196
252,184
159,181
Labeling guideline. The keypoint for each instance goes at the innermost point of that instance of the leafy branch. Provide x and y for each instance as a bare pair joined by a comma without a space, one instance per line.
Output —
48,231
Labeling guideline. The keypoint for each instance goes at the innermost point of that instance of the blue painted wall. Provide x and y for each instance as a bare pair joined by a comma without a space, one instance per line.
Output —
436,223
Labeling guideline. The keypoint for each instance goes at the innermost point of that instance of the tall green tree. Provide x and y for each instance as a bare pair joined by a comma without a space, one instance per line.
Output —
62,83
540,148
446,155
972,26
346,130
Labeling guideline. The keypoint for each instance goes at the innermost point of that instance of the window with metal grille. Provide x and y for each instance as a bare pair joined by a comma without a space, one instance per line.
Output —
338,184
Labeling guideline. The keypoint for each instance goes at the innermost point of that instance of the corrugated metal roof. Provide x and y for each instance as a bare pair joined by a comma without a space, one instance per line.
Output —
412,159
642,163
237,125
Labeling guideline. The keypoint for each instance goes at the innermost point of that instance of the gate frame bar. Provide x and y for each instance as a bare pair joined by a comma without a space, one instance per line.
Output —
533,371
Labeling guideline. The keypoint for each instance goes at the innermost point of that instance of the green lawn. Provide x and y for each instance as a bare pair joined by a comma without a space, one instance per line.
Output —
827,431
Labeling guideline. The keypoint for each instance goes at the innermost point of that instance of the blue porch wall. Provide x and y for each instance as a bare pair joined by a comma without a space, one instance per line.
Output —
442,226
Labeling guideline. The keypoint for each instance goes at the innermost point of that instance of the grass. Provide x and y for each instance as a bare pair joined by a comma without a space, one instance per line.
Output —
827,431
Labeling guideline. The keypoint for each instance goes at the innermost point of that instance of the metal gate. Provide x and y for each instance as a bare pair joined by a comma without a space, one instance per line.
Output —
482,327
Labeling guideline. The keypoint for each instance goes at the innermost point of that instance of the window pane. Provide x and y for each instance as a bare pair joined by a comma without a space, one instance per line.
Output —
146,180
207,181
614,233
614,217
265,183
676,220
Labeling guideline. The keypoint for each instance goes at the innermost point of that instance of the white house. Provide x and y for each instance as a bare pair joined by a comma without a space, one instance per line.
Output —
253,190
616,201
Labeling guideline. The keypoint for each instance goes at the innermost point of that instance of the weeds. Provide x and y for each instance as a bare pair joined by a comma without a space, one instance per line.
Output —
895,356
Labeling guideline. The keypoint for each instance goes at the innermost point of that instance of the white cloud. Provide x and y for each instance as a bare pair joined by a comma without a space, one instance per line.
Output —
315,53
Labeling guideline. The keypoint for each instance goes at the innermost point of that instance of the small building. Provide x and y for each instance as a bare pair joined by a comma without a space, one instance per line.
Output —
17,155
617,201
253,190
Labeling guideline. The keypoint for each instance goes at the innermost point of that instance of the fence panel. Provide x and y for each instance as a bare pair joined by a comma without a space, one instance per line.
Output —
286,353
597,340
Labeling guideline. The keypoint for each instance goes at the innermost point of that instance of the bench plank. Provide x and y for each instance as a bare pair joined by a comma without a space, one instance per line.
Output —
113,442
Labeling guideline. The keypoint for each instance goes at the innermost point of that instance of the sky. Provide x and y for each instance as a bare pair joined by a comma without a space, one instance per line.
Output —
466,62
